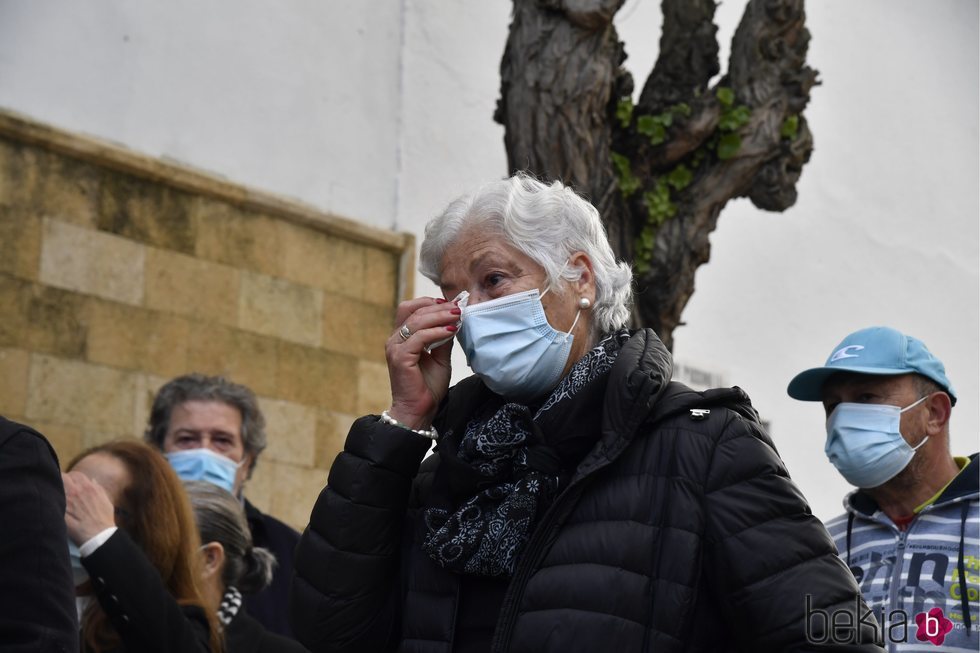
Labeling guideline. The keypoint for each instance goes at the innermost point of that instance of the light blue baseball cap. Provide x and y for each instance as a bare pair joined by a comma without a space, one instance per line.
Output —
875,350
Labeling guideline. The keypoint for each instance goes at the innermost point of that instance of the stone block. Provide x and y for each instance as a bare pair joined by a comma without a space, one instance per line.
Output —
96,399
316,259
209,349
279,308
316,377
331,433
373,388
296,490
14,364
66,440
262,485
356,328
146,211
243,357
242,239
20,243
92,437
145,390
291,431
137,339
380,277
181,284
40,183
41,318
18,174
91,262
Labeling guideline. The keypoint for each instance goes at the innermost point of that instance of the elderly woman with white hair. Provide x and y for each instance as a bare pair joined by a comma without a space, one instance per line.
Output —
577,499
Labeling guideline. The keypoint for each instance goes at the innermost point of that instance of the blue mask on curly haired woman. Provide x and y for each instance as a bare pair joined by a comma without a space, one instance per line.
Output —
202,464
865,445
509,343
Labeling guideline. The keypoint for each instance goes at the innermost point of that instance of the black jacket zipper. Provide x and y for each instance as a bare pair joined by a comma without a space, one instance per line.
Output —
528,563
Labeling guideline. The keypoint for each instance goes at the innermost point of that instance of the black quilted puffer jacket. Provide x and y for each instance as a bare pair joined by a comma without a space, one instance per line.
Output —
680,531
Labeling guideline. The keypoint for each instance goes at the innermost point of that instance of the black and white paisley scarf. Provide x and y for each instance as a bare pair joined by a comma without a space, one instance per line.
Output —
516,462
231,602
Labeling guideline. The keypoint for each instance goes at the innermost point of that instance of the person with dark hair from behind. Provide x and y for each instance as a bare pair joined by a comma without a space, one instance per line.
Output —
37,605
211,429
232,566
129,518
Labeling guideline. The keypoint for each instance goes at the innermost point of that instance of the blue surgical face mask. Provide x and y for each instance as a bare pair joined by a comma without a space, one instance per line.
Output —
79,573
202,464
865,444
509,343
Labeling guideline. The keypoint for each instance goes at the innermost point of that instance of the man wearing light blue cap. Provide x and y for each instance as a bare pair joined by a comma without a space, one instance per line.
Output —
911,530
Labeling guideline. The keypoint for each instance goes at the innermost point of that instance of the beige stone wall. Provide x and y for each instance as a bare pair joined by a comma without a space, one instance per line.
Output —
118,272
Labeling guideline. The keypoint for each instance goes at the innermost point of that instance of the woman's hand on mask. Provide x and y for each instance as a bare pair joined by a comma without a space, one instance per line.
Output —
88,509
420,380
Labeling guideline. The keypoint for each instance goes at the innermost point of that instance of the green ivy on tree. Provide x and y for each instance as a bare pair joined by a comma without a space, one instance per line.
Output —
659,200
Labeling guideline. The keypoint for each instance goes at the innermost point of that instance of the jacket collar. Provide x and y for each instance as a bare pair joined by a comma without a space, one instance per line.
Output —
639,376
965,485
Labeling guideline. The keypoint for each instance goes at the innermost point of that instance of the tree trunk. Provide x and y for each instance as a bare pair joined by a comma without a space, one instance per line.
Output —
659,172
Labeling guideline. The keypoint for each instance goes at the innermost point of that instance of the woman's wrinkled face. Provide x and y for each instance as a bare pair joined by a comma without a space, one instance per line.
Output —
488,267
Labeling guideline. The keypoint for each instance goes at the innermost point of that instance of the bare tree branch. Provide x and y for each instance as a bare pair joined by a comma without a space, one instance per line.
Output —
684,151
688,57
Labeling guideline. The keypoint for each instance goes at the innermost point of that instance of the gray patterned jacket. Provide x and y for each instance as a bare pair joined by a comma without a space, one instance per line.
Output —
905,574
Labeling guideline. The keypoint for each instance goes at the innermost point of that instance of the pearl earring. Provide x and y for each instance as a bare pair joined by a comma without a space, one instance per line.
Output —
584,303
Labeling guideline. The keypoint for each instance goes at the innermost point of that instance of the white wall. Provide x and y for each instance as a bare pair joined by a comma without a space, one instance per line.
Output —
295,96
382,112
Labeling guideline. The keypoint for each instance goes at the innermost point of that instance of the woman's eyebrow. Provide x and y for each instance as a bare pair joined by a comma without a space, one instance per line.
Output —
494,259
480,260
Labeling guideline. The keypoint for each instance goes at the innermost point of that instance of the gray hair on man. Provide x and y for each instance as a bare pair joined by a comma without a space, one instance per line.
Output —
548,223
200,387
220,518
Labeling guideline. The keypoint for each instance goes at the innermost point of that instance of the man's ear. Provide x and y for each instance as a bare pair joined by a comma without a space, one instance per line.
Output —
940,408
214,558
585,286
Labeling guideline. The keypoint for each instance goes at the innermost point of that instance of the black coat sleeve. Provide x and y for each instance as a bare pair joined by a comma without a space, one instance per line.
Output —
133,596
37,597
345,587
770,562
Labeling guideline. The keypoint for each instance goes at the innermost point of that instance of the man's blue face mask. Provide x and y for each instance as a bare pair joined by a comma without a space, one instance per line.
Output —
865,445
202,464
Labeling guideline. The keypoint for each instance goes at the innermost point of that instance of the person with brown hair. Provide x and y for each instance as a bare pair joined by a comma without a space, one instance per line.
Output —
127,513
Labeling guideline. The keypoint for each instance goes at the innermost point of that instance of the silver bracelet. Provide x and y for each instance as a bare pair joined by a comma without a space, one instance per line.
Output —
430,433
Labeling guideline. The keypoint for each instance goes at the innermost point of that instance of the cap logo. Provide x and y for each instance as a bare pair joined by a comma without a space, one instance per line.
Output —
844,352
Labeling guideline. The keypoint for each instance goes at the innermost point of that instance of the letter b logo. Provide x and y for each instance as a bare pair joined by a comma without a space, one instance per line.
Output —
932,626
